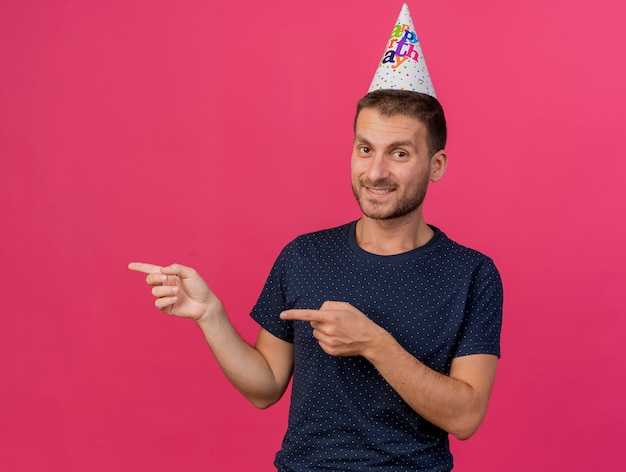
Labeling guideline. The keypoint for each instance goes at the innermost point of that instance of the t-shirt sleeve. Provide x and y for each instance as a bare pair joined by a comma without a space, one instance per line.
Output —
483,318
273,300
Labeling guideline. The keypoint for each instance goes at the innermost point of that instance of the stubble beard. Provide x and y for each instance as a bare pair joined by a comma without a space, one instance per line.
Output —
407,203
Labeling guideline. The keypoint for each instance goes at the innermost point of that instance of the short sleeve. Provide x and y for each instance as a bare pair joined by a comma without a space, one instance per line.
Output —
480,333
272,301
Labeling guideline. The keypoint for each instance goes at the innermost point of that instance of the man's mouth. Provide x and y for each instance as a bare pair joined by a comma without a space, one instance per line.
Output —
379,191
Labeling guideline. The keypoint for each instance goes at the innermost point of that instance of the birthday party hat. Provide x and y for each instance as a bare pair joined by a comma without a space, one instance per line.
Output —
402,65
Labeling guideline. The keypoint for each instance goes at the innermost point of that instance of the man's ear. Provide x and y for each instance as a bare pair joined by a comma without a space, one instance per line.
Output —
438,165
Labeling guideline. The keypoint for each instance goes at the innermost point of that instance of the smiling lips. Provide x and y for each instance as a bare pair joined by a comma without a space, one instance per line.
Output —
378,191
378,188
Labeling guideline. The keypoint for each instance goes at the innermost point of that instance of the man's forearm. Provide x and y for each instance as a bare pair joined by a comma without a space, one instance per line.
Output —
245,366
451,403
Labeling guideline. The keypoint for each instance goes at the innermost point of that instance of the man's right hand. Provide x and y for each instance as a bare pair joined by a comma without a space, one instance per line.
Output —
179,290
261,373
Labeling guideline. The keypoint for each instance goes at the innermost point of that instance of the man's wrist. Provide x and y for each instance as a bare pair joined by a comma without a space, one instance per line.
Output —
382,341
212,313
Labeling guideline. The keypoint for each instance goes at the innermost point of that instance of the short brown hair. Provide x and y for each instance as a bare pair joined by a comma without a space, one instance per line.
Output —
423,107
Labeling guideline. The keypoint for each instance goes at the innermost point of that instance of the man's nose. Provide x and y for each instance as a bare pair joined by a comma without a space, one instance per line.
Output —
377,169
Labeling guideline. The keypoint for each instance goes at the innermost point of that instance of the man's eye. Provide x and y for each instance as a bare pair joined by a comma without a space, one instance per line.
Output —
400,154
365,149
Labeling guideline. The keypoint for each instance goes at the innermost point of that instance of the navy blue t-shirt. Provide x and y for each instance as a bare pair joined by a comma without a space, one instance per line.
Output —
439,301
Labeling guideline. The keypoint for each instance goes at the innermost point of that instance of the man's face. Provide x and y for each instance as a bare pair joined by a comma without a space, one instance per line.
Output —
391,165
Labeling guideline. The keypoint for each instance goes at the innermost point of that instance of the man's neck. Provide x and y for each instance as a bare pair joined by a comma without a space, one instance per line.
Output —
395,236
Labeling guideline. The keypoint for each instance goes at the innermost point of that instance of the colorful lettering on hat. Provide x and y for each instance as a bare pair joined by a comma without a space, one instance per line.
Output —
396,52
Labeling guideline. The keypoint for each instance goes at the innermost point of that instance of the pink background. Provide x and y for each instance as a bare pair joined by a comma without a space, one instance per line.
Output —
213,133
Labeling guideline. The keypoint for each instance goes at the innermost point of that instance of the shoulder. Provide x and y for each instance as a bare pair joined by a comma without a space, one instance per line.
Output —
459,251
325,234
325,238
464,260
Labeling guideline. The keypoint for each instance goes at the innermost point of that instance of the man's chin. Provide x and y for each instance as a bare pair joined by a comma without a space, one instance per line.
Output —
387,214
377,213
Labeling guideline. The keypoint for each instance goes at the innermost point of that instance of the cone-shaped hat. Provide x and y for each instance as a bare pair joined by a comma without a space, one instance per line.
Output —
402,65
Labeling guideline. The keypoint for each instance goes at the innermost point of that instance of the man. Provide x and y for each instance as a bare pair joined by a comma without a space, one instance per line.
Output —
390,329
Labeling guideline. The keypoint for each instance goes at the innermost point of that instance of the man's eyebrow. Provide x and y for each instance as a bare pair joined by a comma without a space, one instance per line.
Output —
361,139
400,143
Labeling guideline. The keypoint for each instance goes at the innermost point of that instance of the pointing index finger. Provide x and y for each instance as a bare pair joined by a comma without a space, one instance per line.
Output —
144,268
301,315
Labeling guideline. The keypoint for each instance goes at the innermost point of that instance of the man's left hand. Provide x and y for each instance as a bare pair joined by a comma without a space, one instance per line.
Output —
340,329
